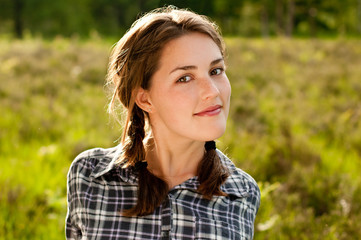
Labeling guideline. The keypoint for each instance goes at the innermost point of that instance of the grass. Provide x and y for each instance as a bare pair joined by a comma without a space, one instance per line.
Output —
294,125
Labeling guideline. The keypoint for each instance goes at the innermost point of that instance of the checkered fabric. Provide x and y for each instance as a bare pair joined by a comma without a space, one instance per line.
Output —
98,190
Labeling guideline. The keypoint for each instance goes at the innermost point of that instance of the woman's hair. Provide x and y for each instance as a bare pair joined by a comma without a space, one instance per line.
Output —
133,61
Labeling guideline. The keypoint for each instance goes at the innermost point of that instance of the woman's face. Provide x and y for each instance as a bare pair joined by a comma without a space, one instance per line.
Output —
189,94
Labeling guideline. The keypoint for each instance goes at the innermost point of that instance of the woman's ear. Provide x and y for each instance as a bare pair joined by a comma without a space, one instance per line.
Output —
142,100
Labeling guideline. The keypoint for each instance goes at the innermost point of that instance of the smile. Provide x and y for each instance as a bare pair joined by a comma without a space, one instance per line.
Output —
210,111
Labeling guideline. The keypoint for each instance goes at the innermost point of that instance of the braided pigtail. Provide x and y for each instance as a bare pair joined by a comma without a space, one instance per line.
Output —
151,192
211,172
134,148
151,189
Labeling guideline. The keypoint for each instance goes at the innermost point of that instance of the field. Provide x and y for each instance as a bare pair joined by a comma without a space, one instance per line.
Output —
294,125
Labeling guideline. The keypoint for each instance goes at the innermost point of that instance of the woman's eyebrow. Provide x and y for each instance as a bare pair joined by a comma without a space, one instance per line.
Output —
183,68
216,61
188,67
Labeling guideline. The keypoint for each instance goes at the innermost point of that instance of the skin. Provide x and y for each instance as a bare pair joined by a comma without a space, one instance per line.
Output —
187,103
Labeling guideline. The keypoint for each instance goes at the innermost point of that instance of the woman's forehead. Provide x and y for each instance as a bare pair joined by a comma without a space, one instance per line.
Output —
190,50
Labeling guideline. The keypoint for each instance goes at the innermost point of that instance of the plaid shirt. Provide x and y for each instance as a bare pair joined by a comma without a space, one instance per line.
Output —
98,190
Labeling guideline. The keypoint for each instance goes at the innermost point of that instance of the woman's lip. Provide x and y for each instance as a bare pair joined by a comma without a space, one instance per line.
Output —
210,111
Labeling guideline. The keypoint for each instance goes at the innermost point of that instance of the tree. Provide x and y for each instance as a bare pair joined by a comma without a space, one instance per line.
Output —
18,20
290,16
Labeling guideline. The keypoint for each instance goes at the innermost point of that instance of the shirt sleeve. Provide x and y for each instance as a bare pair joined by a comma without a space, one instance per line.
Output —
72,229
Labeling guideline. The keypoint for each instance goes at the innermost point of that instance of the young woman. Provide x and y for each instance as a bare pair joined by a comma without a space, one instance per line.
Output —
166,180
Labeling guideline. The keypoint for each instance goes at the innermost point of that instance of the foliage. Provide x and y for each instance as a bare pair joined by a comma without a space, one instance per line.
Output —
246,17
294,126
53,107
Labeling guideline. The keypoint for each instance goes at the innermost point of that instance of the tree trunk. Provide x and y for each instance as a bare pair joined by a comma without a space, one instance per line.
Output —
279,17
265,20
312,21
290,16
18,21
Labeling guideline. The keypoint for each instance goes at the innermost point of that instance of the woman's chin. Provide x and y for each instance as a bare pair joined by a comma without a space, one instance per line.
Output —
213,134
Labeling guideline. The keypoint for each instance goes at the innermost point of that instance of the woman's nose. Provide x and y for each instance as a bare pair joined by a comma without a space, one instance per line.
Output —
208,88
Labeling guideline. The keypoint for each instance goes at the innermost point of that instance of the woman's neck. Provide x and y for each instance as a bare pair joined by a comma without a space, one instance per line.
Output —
174,162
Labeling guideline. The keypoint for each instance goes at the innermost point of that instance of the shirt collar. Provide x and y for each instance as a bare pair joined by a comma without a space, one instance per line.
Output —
238,183
110,163
234,185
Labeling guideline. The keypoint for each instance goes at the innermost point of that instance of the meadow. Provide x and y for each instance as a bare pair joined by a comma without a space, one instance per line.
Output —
294,125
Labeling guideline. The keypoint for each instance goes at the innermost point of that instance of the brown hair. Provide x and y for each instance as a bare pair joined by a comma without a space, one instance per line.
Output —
134,60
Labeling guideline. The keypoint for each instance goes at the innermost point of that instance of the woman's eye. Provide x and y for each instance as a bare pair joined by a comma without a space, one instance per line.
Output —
184,79
216,71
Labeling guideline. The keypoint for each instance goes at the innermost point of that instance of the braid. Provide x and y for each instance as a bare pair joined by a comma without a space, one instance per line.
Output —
151,189
151,193
134,149
211,172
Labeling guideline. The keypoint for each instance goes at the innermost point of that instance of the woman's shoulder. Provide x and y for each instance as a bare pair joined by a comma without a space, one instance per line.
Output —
239,182
87,162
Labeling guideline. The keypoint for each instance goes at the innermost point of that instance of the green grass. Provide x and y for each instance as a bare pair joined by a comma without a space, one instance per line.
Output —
294,125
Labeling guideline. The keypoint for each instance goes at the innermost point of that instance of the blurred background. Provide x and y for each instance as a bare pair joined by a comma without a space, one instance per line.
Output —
251,18
294,124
